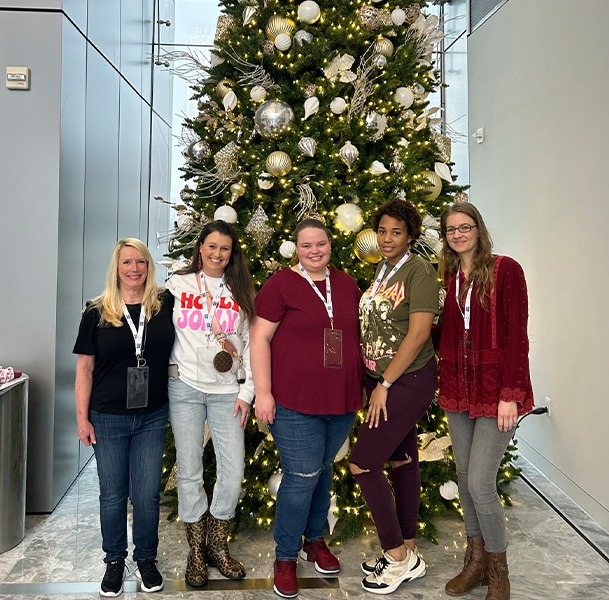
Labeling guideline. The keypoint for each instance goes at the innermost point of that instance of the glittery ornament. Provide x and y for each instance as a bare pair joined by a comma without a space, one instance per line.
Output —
258,229
186,194
226,161
412,13
303,37
384,17
461,197
225,25
366,247
368,16
443,142
268,48
309,90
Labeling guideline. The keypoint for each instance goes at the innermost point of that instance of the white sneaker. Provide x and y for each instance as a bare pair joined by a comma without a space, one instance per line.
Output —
368,566
389,573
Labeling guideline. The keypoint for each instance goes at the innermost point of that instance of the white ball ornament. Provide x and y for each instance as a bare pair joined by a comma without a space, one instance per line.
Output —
308,11
404,96
349,217
287,249
338,105
226,213
265,181
398,16
449,490
283,42
257,93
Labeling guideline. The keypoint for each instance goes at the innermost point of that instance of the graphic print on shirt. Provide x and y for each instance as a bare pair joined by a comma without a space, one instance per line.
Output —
191,314
379,335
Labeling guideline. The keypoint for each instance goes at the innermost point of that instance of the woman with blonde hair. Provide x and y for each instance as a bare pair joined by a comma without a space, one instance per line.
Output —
124,342
484,385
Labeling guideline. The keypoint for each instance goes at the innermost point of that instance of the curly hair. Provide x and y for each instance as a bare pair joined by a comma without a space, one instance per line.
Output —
402,210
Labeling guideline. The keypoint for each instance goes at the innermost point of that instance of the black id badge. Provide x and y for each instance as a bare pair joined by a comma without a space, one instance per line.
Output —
333,348
137,387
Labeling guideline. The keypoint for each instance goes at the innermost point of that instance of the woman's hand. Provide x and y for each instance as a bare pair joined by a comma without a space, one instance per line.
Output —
264,407
378,405
244,407
507,415
86,433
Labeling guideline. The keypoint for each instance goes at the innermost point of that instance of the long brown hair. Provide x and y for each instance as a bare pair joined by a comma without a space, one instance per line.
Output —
237,275
483,263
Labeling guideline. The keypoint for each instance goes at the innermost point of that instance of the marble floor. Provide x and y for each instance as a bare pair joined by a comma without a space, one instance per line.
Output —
555,552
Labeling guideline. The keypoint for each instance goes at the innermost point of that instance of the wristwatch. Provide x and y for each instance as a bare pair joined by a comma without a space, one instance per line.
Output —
384,382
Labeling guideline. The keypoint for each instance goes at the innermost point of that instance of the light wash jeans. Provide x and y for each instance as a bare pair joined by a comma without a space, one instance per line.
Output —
188,410
479,447
129,455
307,447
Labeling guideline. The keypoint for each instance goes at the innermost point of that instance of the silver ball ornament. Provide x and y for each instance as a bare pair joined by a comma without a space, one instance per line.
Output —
273,118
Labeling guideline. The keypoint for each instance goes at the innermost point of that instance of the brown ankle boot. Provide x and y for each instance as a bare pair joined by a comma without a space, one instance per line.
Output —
498,581
196,569
474,569
217,549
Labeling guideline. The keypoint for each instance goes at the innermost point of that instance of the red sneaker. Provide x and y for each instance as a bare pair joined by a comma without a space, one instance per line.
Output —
316,551
285,582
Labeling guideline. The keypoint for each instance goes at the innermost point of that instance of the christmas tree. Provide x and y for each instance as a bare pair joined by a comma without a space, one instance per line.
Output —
318,109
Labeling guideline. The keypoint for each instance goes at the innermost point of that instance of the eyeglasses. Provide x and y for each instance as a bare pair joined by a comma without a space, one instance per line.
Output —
464,228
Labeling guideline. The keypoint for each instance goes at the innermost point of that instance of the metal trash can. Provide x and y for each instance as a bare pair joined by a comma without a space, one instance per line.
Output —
13,458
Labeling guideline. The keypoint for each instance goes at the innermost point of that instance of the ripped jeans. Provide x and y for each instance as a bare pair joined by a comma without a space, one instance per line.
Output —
307,446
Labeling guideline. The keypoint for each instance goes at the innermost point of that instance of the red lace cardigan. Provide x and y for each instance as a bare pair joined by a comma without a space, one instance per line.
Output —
498,364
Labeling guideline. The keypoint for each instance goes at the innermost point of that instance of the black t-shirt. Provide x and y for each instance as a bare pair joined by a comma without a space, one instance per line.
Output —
114,351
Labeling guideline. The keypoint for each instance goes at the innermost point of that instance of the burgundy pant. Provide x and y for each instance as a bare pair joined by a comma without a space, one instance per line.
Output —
395,511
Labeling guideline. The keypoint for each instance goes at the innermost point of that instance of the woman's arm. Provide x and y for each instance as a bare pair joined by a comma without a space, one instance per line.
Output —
419,330
82,391
261,334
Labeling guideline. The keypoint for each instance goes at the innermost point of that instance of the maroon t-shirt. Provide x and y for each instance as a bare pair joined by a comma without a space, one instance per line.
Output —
299,379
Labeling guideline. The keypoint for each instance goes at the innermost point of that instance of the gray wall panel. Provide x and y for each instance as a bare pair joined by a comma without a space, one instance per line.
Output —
29,183
104,29
77,11
67,459
133,61
101,173
130,152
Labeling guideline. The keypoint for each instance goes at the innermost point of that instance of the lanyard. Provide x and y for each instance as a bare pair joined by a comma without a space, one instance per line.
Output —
138,335
328,299
379,279
209,310
468,300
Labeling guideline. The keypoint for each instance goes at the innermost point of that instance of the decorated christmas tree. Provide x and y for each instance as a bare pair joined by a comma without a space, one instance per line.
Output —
318,109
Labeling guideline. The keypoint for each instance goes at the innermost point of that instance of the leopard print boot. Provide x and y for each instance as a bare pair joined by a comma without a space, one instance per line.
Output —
217,549
196,569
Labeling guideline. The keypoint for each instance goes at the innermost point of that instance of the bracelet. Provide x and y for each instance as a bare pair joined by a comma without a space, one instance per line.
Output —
386,384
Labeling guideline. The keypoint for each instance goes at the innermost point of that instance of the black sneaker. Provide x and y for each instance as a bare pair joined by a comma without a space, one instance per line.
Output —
152,580
112,583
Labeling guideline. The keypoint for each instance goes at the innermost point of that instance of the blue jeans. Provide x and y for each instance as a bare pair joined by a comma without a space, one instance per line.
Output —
189,409
129,455
479,447
307,446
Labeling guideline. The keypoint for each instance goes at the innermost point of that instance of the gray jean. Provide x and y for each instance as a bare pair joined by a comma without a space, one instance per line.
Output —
479,447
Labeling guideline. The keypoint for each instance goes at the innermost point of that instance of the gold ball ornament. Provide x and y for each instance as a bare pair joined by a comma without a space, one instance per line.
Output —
431,185
278,24
384,46
278,163
224,86
366,247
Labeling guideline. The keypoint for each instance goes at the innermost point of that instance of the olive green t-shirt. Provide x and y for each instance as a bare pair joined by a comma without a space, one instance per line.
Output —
384,323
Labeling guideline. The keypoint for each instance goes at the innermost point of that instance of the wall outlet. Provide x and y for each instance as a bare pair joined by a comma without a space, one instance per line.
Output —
549,406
